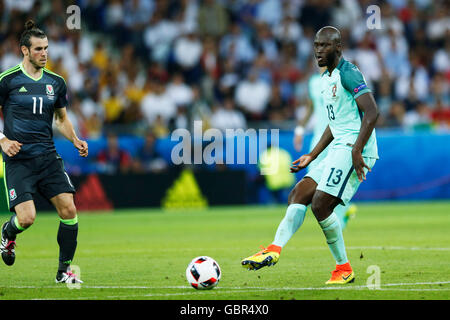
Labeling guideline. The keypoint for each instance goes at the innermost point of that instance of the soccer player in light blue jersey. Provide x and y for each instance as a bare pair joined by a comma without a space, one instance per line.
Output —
350,135
317,109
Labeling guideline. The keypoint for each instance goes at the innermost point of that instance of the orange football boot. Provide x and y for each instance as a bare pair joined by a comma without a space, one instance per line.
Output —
342,275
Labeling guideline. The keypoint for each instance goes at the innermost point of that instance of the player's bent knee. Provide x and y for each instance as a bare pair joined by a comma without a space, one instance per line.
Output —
26,221
323,204
68,211
318,208
291,197
303,192
25,213
315,207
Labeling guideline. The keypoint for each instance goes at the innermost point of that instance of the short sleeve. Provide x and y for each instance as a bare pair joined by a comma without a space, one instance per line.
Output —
62,100
3,92
353,81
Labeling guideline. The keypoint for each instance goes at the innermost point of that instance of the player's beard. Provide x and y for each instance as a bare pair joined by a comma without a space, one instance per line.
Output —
328,59
322,63
37,64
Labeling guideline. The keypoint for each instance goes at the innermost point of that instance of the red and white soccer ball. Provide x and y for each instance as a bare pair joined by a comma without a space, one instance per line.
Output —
203,273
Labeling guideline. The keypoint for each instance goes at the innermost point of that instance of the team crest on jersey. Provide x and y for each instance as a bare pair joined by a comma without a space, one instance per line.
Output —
49,90
12,194
333,91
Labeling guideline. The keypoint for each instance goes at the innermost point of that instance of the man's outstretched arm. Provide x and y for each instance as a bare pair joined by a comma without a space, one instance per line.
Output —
306,159
366,103
64,126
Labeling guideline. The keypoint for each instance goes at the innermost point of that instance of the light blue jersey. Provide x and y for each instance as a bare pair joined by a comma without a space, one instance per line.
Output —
319,115
339,91
319,112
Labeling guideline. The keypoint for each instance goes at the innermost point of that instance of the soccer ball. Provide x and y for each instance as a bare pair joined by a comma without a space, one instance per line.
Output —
203,273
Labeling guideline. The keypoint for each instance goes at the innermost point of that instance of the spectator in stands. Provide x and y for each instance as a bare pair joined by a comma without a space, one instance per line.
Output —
187,51
112,100
394,51
416,80
199,110
159,35
439,89
277,107
441,58
264,68
288,30
157,104
113,159
440,115
212,18
132,82
10,53
136,15
266,42
178,91
368,59
100,56
160,127
252,96
148,159
384,96
419,118
210,66
315,14
396,115
269,12
439,25
235,45
227,117
228,81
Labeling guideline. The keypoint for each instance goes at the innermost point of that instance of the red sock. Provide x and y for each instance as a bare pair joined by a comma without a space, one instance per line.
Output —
274,247
344,267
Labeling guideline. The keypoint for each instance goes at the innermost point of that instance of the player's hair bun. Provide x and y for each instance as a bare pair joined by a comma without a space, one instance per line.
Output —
31,30
29,25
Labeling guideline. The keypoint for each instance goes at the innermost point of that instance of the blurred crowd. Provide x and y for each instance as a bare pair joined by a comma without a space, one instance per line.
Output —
158,65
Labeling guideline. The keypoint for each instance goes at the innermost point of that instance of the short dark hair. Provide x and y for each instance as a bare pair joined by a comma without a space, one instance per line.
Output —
30,31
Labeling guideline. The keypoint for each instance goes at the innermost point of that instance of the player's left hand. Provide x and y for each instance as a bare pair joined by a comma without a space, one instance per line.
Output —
82,147
301,163
359,165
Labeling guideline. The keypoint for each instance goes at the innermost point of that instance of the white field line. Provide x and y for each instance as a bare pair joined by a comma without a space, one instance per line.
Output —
400,248
87,251
347,287
191,292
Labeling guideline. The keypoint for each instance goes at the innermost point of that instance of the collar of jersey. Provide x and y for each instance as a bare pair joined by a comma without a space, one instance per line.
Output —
341,61
25,73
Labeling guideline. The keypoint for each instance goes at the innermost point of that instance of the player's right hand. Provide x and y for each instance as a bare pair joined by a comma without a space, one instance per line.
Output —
301,163
359,165
10,147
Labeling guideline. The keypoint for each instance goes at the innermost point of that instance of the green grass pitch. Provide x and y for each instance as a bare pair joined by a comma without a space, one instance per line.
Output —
143,254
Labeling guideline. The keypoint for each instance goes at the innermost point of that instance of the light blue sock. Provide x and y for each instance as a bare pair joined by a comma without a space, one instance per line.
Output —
333,233
340,211
295,214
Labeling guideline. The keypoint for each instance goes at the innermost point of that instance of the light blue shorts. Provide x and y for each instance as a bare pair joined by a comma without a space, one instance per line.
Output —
335,174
